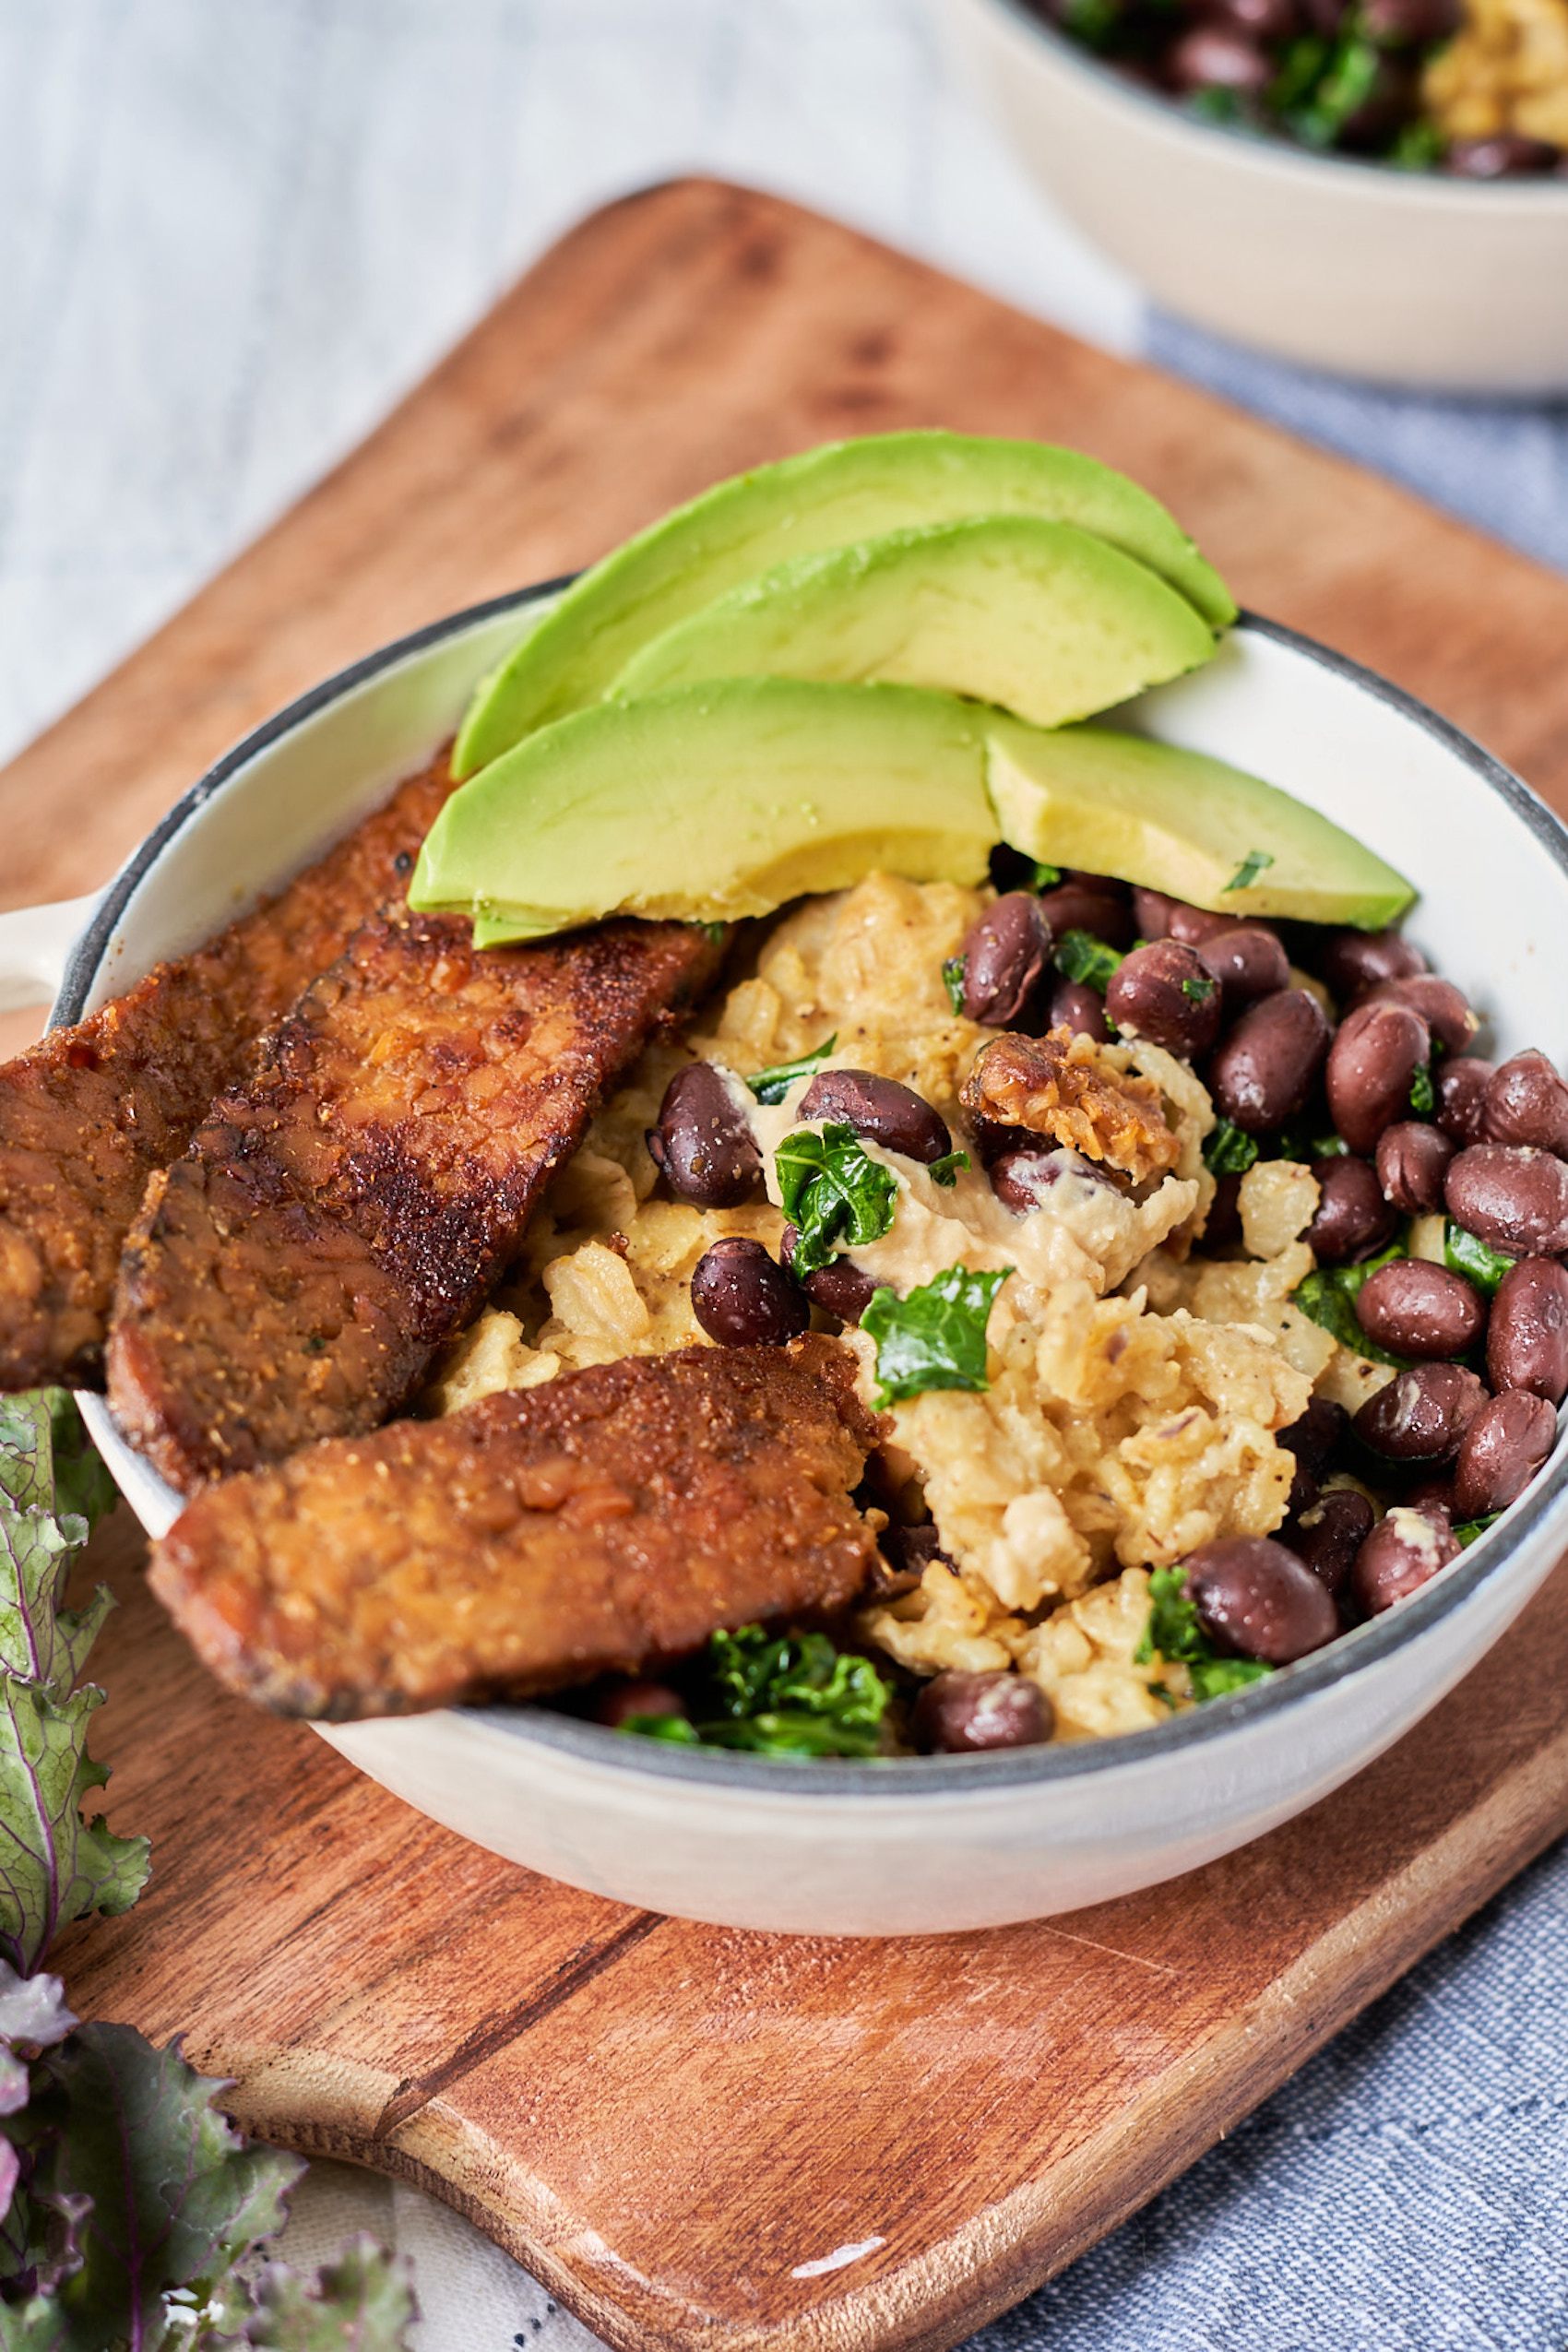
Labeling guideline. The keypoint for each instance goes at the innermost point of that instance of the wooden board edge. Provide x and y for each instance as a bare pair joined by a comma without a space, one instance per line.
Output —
1009,2247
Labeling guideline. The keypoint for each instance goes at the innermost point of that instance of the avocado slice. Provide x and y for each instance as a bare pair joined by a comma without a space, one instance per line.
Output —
710,803
828,497
1182,823
1043,618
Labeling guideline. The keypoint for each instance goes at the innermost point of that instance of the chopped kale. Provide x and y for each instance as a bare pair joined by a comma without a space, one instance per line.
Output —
832,1193
952,972
1229,1152
935,1337
1174,1634
1081,956
1467,1530
779,1695
948,1168
1422,1099
1041,876
1329,1298
1247,872
1464,1253
1200,989
772,1085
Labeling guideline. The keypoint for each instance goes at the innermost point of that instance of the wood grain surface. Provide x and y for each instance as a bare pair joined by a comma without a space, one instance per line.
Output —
669,2123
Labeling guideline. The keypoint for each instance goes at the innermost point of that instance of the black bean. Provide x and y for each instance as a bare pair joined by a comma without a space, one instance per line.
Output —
1248,962
1074,1005
1208,57
1409,24
1003,956
890,1114
1022,1176
1259,19
908,1552
1313,1438
1526,1102
1329,1534
1375,1054
1444,1009
1254,1598
1353,960
1527,1338
1264,1069
1353,1219
1504,1446
1412,1160
703,1144
1460,1088
1417,1309
839,1287
1167,994
1404,1551
1105,886
1512,1196
626,1699
743,1298
959,1714
1161,916
1075,907
1422,1414
1507,156
1222,1227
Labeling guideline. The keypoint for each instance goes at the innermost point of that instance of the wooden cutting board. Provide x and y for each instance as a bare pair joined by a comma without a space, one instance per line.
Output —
690,2133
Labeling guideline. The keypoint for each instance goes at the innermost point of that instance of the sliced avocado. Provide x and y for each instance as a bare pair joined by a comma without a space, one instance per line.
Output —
710,803
1182,823
829,498
1043,618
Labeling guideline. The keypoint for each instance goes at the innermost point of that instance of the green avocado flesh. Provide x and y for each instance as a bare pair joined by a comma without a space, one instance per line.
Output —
705,803
711,802
831,497
1183,823
1043,618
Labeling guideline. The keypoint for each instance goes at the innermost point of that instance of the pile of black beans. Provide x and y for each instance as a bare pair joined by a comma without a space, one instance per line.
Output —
1396,1118
1458,1435
1330,74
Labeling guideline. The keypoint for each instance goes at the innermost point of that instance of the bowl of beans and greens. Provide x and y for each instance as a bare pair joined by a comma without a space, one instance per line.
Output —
1376,188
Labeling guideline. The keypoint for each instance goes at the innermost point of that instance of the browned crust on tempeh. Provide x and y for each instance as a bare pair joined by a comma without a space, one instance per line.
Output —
345,1212
1063,1086
611,1520
90,1112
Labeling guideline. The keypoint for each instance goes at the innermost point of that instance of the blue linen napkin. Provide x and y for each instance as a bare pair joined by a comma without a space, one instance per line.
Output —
1500,464
1407,2192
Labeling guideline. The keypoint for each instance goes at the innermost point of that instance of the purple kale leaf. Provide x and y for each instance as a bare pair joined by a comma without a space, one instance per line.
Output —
53,1865
165,2194
47,1503
363,2302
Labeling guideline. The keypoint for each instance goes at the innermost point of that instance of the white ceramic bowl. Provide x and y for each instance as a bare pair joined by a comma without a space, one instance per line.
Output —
913,1845
1406,278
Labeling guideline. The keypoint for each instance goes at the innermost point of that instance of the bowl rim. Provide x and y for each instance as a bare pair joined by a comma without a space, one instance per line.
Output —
1547,193
977,1776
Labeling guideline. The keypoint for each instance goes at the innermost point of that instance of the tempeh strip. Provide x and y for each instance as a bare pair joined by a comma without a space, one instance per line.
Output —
612,1519
89,1113
342,1213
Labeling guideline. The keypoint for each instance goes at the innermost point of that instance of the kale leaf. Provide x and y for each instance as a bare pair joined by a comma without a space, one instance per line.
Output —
1175,1633
1228,1151
952,973
122,2144
779,1695
948,1168
1247,872
1464,1253
935,1337
832,1193
363,2302
1467,1530
772,1085
1423,1099
54,1867
1079,956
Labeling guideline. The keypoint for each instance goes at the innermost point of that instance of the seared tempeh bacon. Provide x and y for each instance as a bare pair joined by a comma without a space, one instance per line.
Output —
345,1212
87,1114
611,1520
